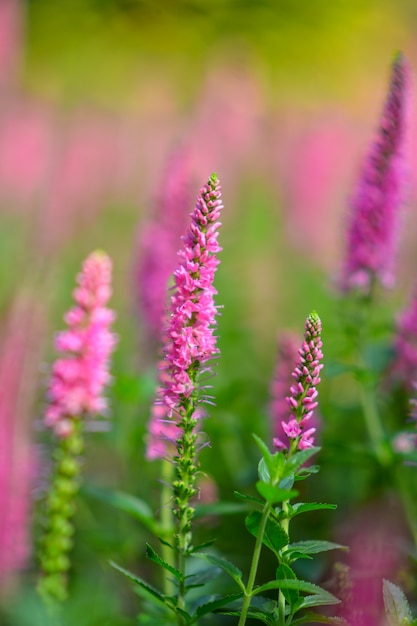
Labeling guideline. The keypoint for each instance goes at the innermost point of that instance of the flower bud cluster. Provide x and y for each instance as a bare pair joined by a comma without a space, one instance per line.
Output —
303,398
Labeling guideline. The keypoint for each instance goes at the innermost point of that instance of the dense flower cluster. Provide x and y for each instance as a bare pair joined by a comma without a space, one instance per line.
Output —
190,336
372,234
79,376
303,398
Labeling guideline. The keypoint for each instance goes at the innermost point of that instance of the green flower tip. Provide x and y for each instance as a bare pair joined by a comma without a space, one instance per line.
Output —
214,179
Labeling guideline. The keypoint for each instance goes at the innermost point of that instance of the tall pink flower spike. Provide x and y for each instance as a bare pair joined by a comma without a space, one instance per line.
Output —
189,339
81,373
374,220
303,398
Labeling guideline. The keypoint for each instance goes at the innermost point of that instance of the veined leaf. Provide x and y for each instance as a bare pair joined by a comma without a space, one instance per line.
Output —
231,569
274,537
304,507
274,494
153,556
319,595
213,604
314,547
251,499
396,605
263,471
315,618
285,572
153,593
298,459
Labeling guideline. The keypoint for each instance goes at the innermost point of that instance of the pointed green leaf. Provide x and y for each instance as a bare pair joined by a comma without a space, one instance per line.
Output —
250,499
153,556
285,572
315,618
320,595
152,593
396,604
298,459
314,547
263,471
200,546
274,537
274,494
266,454
204,576
304,507
215,603
233,571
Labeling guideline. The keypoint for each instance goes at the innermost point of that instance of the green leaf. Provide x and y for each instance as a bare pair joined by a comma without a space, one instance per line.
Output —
263,471
315,618
396,605
216,603
200,546
152,593
274,494
132,505
298,459
304,507
153,556
314,547
233,571
204,576
285,572
320,596
305,472
251,499
266,454
274,537
218,508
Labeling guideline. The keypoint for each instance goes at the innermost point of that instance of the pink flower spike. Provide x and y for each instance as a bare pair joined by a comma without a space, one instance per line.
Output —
190,342
381,189
302,401
79,375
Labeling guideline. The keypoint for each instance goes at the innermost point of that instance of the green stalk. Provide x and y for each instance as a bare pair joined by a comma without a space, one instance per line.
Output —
57,541
167,528
285,525
374,425
254,565
184,490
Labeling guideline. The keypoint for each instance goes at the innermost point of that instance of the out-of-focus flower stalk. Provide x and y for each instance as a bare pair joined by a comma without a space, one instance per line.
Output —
78,379
375,207
21,342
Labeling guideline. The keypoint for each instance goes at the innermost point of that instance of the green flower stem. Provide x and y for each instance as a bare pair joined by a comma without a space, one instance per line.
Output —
57,541
285,525
373,424
254,566
184,490
167,528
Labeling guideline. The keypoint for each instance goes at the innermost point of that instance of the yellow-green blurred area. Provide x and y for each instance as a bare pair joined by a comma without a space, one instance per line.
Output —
107,51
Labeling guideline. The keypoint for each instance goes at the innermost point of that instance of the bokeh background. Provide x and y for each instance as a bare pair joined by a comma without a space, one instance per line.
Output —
281,99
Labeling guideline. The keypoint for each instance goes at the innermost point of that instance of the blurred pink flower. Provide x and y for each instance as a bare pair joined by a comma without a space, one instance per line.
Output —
374,220
80,374
26,152
20,347
159,241
303,399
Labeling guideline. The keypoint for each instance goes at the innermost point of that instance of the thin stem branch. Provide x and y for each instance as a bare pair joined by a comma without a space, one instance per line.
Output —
254,566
